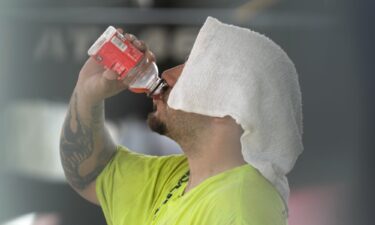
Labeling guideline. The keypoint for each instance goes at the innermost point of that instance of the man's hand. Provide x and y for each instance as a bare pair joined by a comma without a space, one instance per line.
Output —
96,83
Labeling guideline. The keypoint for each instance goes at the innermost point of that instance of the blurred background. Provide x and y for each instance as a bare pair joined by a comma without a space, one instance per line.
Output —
43,44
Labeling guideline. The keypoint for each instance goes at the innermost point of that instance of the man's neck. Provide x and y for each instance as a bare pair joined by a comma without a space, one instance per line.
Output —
209,156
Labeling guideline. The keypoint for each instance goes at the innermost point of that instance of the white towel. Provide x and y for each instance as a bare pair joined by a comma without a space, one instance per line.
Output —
237,72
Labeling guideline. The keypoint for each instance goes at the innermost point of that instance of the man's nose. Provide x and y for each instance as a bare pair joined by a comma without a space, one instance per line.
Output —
171,75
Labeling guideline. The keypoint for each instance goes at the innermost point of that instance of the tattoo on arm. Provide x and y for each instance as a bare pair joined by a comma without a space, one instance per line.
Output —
85,149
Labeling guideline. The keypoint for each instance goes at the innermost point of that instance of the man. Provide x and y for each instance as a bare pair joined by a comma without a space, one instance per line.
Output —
233,107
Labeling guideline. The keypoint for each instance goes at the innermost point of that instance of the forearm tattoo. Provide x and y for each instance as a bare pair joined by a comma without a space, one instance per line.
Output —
84,147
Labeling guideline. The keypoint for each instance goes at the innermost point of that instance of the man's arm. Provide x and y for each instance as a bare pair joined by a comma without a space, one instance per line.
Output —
85,145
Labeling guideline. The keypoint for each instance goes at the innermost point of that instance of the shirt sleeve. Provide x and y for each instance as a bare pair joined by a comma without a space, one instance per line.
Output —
131,184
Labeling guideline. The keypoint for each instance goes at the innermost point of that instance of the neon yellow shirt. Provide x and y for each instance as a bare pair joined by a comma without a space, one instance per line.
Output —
133,186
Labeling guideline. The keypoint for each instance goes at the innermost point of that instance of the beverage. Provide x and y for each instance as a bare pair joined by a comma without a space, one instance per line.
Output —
115,52
138,90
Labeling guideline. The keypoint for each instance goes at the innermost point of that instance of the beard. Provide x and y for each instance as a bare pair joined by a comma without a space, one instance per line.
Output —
156,124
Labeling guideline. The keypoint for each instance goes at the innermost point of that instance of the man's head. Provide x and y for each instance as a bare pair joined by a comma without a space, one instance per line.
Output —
234,72
179,125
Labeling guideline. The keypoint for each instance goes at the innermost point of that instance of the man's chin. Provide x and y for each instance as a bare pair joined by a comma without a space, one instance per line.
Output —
156,124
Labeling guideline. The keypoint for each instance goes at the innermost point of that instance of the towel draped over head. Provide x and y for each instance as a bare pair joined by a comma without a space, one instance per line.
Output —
238,72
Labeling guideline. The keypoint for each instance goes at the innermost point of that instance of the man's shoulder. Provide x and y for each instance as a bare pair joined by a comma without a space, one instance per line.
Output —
245,186
124,153
246,196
